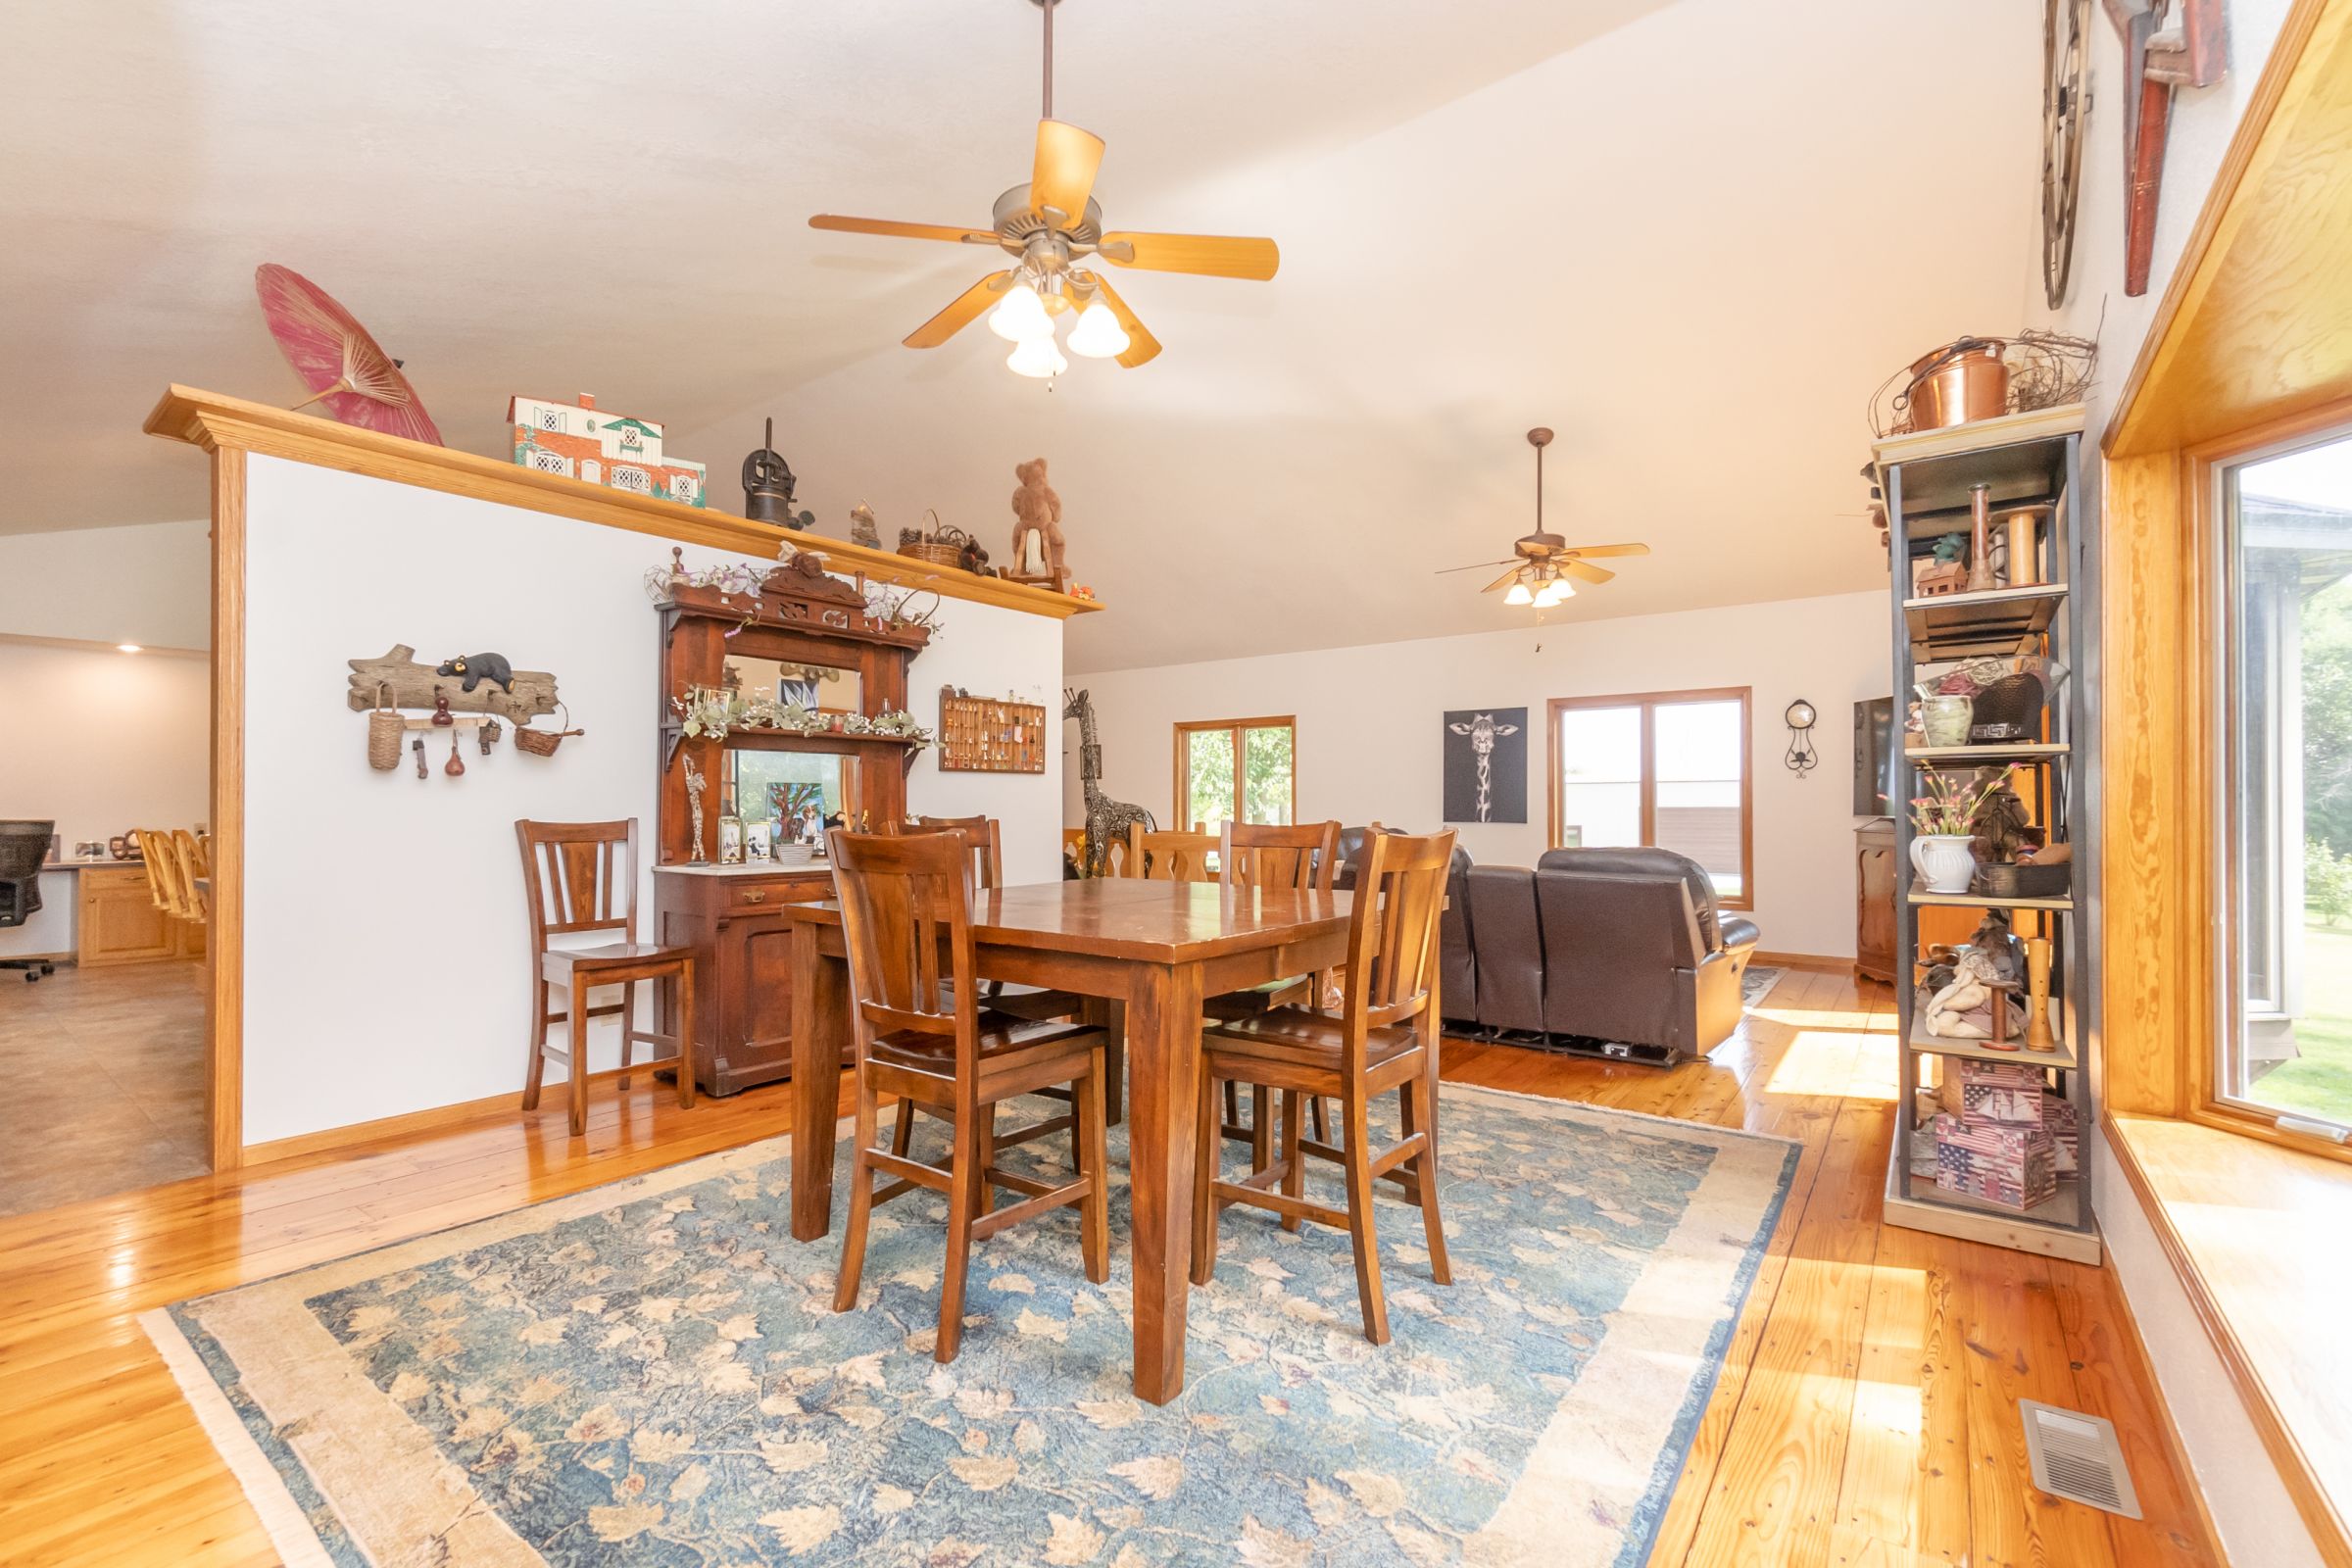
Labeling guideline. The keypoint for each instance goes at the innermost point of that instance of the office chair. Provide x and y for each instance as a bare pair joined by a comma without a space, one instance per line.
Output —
23,846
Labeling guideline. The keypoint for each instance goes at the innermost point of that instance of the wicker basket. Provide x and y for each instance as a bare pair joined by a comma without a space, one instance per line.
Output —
942,546
2007,881
385,727
2009,710
543,742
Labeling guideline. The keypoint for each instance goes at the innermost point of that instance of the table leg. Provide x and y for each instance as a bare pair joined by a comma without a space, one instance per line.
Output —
1164,1028
821,1018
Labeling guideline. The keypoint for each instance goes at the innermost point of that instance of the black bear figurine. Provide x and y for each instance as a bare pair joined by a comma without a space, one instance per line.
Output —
479,668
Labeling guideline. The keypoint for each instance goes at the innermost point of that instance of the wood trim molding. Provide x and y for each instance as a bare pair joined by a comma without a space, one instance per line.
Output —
217,422
1179,805
2328,1528
490,1108
2234,339
225,949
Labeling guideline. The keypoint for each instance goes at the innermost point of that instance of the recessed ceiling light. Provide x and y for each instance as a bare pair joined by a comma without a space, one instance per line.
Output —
129,648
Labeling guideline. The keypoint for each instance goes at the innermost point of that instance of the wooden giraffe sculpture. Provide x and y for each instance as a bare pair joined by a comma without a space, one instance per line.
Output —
1106,820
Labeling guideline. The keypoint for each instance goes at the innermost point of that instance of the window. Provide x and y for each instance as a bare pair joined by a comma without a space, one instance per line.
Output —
1669,769
2285,737
1220,761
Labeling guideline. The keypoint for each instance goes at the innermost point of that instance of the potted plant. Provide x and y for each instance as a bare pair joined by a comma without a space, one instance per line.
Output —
1942,851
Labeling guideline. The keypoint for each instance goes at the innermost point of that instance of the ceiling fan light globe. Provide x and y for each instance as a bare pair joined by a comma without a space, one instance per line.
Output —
1098,334
1519,596
1551,593
1020,317
1037,358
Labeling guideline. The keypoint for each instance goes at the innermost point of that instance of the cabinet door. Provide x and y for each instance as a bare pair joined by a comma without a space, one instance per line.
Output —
119,922
1873,940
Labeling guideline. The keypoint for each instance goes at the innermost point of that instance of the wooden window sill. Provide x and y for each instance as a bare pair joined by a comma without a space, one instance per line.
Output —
2255,1231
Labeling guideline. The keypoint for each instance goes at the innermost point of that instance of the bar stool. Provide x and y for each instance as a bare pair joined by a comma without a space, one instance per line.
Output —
582,876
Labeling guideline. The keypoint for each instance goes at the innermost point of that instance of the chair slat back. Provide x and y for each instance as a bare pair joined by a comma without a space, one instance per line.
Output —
1172,856
1393,932
906,901
987,845
578,876
1257,855
158,863
189,858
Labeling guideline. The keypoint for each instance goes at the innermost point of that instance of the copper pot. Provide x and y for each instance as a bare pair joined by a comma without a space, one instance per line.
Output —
1958,384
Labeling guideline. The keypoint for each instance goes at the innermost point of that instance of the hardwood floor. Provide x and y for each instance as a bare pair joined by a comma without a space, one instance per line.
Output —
1865,1417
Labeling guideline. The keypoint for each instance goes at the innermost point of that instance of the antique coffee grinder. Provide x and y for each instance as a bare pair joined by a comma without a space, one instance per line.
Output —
767,484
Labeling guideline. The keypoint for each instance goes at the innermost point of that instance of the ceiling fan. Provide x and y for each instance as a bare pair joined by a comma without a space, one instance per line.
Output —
1049,225
1545,566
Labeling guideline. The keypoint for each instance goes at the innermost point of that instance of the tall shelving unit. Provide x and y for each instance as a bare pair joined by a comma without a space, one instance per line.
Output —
2027,458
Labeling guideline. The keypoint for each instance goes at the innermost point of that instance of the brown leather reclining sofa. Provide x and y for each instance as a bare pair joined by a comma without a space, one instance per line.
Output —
1619,951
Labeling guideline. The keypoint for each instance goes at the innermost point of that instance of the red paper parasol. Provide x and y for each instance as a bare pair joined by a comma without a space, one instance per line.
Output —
358,382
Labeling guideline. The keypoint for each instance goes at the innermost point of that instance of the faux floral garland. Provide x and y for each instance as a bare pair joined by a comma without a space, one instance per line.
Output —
706,713
743,579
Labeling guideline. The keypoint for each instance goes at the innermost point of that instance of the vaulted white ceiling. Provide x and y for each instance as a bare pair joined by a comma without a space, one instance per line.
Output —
1690,235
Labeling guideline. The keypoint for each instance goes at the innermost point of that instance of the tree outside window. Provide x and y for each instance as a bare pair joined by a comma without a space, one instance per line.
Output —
1238,769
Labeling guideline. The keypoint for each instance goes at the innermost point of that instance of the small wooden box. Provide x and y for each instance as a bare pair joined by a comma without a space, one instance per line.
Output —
988,735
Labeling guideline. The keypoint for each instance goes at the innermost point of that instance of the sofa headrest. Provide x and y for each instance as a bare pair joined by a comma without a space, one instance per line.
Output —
1636,860
1351,848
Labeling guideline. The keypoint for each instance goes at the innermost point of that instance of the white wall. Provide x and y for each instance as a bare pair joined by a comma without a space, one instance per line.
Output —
2249,1504
100,742
1370,728
384,939
147,583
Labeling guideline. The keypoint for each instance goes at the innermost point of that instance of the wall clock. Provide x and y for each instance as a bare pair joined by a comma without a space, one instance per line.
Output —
2065,105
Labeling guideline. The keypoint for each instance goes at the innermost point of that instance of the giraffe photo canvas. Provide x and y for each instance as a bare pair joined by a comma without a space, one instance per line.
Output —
1486,764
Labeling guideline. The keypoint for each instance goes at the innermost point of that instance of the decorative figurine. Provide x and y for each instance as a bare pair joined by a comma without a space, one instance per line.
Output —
1037,542
491,667
455,768
694,806
865,528
768,485
581,441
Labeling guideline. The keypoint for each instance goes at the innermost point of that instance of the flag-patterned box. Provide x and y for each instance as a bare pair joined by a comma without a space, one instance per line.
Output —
2015,1167
2008,1092
2060,1120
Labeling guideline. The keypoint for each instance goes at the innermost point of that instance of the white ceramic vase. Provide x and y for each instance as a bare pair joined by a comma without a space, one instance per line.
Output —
1945,861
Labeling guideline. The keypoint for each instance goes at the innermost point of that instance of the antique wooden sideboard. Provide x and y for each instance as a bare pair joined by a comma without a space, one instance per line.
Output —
801,638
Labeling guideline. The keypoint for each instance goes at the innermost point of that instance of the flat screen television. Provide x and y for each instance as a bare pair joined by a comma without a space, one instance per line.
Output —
1875,761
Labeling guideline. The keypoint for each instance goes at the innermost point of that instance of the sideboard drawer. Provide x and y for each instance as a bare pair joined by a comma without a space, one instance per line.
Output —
761,893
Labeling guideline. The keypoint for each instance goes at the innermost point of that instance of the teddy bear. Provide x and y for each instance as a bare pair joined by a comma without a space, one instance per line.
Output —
1038,508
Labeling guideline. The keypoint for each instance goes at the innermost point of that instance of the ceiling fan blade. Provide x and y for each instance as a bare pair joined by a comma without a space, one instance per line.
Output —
959,314
1209,255
1064,174
1142,346
1475,566
1503,582
893,230
1609,549
1577,568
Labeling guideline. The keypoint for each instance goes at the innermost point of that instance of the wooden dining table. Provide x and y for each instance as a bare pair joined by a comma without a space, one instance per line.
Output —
1154,947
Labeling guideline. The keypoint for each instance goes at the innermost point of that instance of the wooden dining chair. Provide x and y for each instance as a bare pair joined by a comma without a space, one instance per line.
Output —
582,877
1304,857
1384,1036
984,837
156,860
921,1031
1172,856
194,874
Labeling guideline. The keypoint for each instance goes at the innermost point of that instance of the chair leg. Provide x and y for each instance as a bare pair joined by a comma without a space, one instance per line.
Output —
1209,1136
903,1137
579,1054
1293,1179
861,1200
686,1028
1360,1220
1233,1103
1094,1164
538,1062
963,1175
1425,1178
984,1190
628,1028
1322,1125
1261,1128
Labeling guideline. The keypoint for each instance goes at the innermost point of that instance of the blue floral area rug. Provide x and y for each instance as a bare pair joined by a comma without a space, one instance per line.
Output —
651,1373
